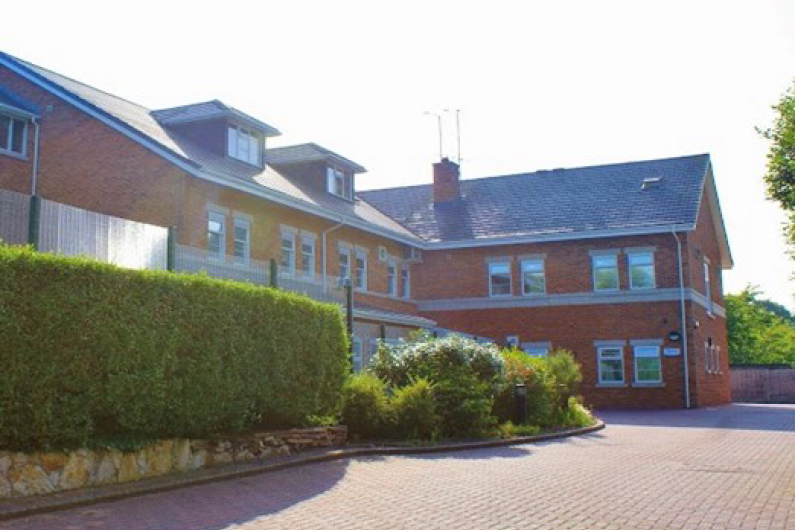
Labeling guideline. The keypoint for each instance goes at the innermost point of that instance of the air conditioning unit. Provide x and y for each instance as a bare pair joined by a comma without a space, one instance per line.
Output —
414,255
383,255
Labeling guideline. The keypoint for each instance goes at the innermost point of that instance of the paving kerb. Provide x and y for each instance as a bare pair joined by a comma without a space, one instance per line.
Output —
27,506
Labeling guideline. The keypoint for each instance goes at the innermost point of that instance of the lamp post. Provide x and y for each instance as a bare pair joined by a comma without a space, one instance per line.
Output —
520,393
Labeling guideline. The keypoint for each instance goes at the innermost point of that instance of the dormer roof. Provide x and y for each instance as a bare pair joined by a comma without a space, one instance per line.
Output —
309,152
209,110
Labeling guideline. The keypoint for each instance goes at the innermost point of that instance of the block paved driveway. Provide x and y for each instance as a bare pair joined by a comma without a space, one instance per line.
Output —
726,468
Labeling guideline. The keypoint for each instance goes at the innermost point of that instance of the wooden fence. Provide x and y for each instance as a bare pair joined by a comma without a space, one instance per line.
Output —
760,384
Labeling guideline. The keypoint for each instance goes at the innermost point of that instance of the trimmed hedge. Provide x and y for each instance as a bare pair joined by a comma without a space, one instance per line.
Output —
91,351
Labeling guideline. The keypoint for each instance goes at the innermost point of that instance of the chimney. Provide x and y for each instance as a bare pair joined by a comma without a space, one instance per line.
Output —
446,181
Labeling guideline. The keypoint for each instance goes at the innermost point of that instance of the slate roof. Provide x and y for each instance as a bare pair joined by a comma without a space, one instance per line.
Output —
555,202
151,124
309,152
208,110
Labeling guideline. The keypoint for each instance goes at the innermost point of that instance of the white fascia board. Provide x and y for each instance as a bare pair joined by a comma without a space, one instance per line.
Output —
16,111
569,236
406,320
127,131
166,153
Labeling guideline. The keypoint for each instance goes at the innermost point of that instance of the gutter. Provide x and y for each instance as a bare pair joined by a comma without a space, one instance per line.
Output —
683,313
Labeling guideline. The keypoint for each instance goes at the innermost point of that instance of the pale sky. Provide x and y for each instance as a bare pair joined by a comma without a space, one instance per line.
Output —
540,84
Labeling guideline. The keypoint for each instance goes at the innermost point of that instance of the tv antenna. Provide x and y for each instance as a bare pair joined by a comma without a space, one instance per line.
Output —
439,127
457,131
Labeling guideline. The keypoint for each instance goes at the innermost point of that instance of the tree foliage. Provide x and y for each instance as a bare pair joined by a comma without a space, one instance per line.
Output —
780,176
759,332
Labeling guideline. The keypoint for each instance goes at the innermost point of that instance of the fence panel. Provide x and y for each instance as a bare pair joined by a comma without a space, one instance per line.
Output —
14,208
763,385
76,232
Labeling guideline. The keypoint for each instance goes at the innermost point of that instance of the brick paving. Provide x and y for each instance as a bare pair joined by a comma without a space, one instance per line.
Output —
729,468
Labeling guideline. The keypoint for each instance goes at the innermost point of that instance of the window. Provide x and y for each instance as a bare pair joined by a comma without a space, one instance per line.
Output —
357,354
500,278
360,276
711,357
243,145
242,243
536,349
392,281
605,272
288,252
405,283
641,270
611,365
533,278
345,263
13,135
648,367
707,287
339,183
308,255
216,234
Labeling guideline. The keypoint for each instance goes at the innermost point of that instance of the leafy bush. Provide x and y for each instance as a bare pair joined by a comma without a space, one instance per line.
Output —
365,407
414,407
534,372
91,351
567,375
465,375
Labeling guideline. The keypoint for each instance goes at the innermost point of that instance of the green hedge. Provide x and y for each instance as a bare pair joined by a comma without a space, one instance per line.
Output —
91,352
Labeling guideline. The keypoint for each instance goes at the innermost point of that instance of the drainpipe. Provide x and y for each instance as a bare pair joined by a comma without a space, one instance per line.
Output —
683,311
325,268
34,185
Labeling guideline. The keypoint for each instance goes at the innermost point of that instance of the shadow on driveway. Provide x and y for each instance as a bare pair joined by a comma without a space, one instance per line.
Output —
752,417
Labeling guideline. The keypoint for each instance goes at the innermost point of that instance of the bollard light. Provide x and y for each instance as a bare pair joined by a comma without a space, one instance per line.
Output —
520,393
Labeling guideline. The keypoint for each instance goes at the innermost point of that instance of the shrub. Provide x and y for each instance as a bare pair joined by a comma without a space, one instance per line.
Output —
365,407
534,372
414,407
92,351
567,375
465,375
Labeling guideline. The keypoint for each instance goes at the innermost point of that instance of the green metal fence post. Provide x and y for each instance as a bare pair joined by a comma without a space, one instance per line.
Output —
34,221
171,248
274,274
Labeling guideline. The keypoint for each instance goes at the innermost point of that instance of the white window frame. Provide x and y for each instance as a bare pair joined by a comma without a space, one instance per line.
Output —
360,279
220,218
339,183
392,277
534,261
500,263
244,145
537,349
600,357
288,268
635,350
594,268
8,148
405,282
708,288
308,258
634,255
357,354
244,223
345,251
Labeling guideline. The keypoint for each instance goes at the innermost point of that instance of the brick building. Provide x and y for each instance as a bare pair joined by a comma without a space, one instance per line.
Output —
606,261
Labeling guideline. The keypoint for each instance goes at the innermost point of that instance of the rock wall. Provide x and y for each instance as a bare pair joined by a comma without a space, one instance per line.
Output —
24,474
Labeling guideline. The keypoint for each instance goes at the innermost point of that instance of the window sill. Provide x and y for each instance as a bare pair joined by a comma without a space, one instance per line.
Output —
611,385
503,296
606,291
12,154
648,385
643,288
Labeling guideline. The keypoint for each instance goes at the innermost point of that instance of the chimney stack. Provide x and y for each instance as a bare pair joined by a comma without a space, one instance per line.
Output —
446,181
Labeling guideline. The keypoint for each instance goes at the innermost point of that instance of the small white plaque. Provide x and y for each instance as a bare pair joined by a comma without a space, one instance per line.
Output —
671,352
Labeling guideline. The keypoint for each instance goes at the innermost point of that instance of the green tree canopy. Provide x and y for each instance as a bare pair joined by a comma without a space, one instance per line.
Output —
757,334
780,176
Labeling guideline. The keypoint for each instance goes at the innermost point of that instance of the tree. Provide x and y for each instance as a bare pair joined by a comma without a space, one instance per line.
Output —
780,176
757,335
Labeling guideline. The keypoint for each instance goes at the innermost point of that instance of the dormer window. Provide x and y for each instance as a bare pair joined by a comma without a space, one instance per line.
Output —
340,183
244,145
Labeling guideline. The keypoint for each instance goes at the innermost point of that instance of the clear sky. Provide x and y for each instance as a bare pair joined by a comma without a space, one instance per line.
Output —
540,84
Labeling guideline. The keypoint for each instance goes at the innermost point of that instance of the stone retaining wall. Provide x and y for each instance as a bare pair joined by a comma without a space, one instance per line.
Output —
24,474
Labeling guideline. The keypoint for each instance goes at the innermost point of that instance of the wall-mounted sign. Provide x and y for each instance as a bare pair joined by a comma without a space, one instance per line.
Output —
674,336
671,352
512,341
